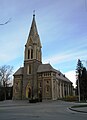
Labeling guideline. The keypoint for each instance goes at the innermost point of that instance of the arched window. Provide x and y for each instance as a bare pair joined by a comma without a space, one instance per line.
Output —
47,88
31,53
29,69
28,53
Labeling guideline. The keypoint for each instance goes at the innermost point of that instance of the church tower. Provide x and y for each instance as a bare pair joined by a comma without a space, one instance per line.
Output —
33,45
32,59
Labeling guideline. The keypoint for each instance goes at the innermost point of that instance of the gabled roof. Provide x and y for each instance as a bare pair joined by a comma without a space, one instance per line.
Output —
61,76
19,71
49,68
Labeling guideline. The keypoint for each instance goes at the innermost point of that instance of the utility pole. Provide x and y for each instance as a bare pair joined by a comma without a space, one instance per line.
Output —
79,85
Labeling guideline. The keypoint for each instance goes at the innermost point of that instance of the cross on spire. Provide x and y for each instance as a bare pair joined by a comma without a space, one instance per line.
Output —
33,12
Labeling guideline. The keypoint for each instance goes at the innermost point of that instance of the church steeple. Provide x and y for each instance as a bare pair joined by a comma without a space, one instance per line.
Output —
33,45
33,29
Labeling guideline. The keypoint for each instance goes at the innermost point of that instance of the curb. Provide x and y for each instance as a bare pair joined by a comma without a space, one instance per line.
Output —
77,110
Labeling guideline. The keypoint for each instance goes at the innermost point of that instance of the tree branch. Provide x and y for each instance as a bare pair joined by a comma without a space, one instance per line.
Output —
6,22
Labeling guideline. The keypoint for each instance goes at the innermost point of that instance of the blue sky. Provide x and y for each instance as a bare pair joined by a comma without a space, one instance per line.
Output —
62,27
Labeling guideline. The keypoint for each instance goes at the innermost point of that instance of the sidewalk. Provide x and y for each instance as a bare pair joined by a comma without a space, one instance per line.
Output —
80,107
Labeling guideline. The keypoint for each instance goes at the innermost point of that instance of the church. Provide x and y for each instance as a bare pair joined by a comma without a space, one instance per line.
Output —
35,79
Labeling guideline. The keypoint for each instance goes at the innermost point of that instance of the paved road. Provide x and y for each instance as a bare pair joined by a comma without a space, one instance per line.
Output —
52,110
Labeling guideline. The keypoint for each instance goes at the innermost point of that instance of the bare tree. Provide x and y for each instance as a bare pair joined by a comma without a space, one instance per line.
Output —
6,22
5,73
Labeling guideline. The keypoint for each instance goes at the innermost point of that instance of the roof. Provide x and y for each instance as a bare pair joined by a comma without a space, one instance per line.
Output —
49,68
19,71
45,68
62,77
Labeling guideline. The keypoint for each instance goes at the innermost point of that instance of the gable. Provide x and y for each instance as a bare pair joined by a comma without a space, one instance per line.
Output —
19,71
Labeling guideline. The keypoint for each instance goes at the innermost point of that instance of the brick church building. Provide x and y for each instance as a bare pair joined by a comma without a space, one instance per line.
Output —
35,78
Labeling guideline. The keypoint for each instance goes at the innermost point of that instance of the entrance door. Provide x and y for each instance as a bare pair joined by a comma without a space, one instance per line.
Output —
28,91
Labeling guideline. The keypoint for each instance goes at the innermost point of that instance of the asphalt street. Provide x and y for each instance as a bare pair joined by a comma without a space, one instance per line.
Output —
47,110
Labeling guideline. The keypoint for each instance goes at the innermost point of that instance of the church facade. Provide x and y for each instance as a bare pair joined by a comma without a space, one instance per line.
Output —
35,79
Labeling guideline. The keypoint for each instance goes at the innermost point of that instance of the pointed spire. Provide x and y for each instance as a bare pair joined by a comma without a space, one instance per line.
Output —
33,29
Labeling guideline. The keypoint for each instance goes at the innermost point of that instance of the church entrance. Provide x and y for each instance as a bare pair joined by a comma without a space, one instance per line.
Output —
28,91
